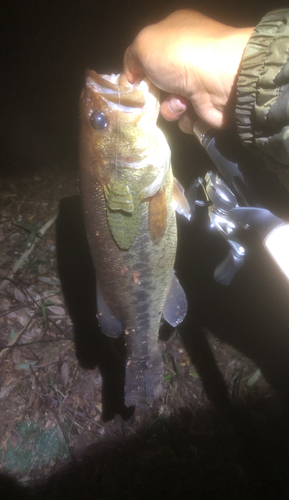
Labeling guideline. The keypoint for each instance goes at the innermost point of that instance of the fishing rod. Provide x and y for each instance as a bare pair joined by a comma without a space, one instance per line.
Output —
232,205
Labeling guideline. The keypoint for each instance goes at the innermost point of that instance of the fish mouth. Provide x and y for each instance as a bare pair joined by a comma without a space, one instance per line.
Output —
109,82
118,91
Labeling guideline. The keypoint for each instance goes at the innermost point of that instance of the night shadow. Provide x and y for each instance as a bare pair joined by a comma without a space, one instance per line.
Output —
188,456
251,314
78,284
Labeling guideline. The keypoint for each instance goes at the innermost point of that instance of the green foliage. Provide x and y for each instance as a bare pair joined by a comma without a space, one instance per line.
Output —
168,361
24,366
194,374
12,335
43,308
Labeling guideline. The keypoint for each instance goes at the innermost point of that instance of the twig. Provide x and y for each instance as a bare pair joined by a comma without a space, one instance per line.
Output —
26,254
15,339
75,412
36,342
16,308
56,325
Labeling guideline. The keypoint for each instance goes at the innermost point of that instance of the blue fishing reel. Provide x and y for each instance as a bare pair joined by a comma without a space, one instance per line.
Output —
231,206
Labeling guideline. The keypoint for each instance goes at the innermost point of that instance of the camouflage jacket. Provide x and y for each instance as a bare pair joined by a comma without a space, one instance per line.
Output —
262,106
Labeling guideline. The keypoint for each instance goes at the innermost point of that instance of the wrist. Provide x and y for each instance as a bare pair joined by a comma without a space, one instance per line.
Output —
214,76
231,50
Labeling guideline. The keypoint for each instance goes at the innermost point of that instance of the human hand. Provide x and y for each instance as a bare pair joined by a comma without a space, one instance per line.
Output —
196,60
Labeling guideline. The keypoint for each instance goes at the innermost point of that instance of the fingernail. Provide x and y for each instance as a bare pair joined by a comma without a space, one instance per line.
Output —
175,105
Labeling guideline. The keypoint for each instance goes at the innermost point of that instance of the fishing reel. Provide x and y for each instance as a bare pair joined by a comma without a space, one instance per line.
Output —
231,206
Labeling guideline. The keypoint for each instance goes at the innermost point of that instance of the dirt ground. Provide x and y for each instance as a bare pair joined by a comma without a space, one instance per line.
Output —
51,408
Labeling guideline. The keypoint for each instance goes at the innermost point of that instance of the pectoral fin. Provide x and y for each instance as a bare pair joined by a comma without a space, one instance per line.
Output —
119,197
109,324
180,202
124,212
158,216
176,305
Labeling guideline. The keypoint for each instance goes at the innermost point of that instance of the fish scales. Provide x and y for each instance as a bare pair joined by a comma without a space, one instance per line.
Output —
132,283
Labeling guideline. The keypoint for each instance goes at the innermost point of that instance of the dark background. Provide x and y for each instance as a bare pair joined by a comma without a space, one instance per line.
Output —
46,46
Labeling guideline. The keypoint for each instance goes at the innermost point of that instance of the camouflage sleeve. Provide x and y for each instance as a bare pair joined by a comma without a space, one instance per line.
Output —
262,106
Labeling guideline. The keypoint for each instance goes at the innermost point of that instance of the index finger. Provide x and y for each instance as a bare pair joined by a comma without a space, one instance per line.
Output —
132,67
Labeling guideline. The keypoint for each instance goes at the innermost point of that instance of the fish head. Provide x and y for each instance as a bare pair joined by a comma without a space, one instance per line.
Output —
118,122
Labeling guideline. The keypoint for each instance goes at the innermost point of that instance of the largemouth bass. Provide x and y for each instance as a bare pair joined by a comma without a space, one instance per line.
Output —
129,199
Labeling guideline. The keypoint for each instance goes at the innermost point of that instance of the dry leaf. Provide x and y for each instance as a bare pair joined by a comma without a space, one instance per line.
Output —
16,357
19,295
5,391
23,316
50,355
5,304
11,380
65,372
11,315
57,310
34,293
31,335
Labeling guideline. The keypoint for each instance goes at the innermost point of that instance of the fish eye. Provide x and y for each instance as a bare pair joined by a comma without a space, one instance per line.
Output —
98,120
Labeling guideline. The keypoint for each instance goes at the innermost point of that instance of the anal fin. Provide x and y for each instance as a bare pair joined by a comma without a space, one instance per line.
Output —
176,305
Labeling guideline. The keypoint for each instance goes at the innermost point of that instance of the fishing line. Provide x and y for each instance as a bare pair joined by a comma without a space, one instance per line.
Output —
118,140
